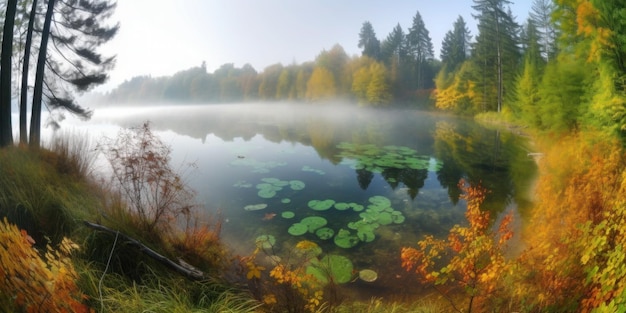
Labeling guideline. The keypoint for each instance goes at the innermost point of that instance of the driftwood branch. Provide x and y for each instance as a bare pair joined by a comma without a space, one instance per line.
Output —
182,268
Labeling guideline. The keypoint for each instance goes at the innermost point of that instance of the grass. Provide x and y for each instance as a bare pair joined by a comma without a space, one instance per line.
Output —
50,191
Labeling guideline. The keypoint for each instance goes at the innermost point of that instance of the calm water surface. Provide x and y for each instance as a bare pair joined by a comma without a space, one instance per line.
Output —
282,157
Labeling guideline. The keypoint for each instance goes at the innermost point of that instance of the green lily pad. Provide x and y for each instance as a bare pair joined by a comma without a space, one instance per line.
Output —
357,207
255,207
285,200
366,236
368,275
342,206
314,222
345,239
265,241
321,205
297,229
266,193
325,233
332,266
385,218
296,185
288,214
397,217
380,201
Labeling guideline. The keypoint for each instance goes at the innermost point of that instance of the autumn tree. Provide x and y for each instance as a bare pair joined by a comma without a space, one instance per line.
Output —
321,85
472,257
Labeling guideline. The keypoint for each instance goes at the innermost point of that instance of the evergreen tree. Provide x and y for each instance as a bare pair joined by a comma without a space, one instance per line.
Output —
455,47
541,14
73,61
420,47
495,52
368,41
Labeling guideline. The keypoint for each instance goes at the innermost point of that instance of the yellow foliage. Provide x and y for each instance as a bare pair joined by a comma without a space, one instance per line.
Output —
38,284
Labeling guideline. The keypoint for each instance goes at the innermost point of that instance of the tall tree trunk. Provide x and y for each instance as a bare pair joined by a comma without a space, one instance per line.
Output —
6,129
35,119
499,60
24,88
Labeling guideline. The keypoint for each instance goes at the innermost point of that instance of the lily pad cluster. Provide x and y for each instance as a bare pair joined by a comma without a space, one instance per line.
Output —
257,166
378,213
308,224
269,186
242,184
375,159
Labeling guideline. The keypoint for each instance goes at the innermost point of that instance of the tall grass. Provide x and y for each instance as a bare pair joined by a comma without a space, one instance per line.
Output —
75,152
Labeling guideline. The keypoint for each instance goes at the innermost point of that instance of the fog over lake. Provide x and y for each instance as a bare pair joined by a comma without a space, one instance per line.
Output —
380,178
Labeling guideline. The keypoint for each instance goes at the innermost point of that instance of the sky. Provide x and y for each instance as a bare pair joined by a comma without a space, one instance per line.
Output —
162,37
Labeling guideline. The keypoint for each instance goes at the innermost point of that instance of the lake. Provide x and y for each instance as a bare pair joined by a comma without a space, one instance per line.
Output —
359,182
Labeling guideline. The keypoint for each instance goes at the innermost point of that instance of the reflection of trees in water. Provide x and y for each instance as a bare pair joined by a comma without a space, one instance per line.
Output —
467,150
487,157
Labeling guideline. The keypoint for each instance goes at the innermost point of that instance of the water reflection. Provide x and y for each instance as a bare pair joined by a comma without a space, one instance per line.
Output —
342,153
494,158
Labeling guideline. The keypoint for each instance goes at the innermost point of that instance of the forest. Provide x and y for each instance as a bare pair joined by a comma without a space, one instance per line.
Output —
559,77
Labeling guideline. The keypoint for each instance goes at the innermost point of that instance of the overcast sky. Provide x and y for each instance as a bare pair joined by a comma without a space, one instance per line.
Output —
161,37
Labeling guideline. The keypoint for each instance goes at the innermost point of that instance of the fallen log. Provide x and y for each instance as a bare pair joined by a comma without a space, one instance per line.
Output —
183,268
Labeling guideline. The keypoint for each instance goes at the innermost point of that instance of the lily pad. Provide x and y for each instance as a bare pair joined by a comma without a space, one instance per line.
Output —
325,233
342,206
321,205
285,200
265,241
380,201
385,218
397,217
314,222
266,193
297,229
337,267
368,275
242,184
345,239
288,214
255,207
366,235
296,185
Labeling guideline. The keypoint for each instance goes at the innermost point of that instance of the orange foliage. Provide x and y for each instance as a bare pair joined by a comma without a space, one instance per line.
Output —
36,284
474,254
578,194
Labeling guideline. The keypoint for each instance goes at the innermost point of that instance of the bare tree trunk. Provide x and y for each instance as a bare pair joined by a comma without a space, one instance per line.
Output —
35,119
6,129
24,88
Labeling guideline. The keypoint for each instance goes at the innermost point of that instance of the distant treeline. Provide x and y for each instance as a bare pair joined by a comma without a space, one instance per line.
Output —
333,74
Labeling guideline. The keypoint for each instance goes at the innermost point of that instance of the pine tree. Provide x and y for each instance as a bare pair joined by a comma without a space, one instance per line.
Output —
79,28
456,45
495,52
420,47
369,42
